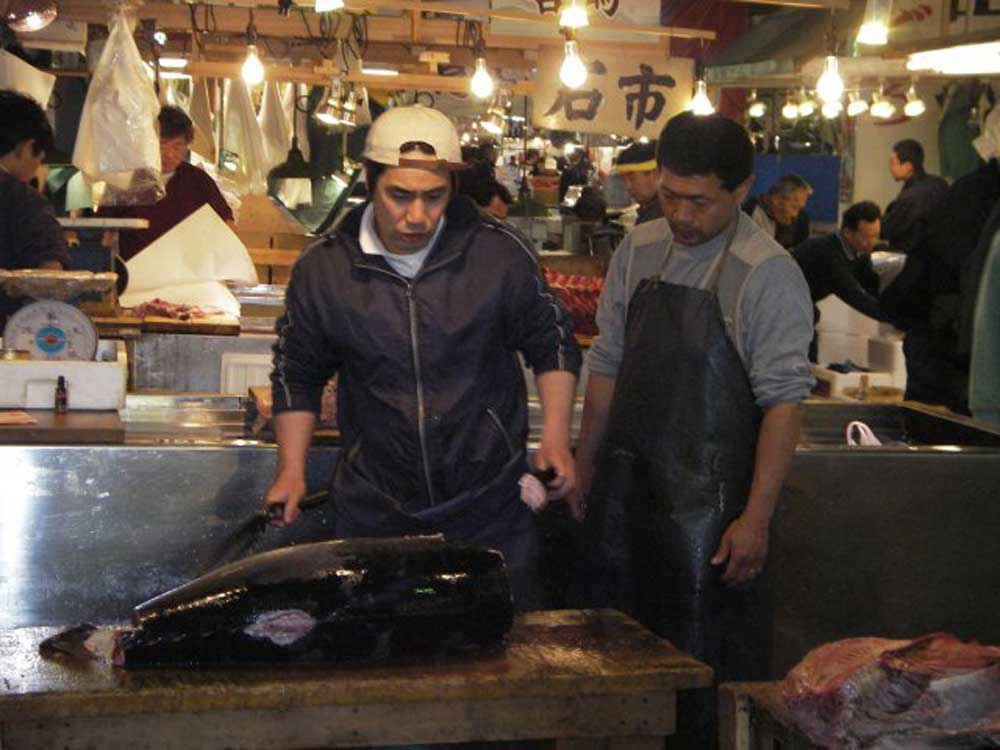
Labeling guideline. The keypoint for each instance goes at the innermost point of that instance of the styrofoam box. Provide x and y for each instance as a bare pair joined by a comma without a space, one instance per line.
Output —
837,316
98,384
886,353
840,347
832,383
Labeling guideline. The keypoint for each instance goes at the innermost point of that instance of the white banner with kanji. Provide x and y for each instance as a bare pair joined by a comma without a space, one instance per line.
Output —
623,95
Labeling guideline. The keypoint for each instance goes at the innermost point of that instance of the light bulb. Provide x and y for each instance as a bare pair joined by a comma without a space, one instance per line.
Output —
160,37
790,111
830,86
807,105
873,33
573,71
875,24
573,15
253,69
881,107
325,6
757,108
481,83
700,103
914,106
30,15
831,109
855,105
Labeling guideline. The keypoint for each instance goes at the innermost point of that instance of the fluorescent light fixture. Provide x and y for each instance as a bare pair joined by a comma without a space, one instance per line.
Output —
174,75
574,15
173,63
830,86
325,6
875,25
573,71
378,70
700,103
962,60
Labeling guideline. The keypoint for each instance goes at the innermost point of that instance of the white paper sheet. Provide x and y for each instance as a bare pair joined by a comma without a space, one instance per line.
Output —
200,248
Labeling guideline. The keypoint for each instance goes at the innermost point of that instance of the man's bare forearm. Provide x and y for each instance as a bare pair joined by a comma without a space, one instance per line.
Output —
594,422
779,434
556,391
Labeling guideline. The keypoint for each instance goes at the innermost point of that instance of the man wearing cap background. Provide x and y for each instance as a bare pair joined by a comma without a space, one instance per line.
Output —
637,166
420,303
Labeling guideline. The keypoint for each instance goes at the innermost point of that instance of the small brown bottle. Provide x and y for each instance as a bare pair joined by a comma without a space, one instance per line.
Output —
61,395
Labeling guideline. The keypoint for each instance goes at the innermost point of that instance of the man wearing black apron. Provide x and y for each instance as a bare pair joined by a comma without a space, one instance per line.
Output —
692,413
421,304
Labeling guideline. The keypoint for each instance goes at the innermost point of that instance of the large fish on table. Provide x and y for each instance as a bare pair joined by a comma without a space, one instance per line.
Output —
337,602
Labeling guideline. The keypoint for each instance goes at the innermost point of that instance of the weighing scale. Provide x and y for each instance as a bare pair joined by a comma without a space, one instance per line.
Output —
50,328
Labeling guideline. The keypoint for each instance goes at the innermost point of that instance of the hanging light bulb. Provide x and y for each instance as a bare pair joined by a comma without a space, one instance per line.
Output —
481,83
832,109
807,105
855,105
326,6
700,103
791,110
573,15
253,69
573,71
875,25
830,86
756,108
914,106
881,107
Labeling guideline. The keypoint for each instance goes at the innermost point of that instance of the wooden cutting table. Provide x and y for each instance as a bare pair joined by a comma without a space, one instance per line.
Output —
572,675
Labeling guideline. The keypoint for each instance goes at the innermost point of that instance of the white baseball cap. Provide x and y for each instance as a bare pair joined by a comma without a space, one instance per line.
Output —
416,122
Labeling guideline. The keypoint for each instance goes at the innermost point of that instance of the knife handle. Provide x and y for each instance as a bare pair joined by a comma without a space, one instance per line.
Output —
276,511
544,475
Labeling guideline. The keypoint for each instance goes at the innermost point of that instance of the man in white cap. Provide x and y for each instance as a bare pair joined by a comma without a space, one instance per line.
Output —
420,304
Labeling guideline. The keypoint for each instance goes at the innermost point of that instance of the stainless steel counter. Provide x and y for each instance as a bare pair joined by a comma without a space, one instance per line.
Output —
892,541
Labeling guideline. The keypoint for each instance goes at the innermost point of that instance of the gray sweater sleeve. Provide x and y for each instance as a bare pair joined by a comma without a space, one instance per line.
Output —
609,345
777,325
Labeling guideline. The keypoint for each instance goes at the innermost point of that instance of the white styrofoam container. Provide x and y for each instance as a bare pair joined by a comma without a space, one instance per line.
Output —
840,347
832,383
837,316
886,353
98,384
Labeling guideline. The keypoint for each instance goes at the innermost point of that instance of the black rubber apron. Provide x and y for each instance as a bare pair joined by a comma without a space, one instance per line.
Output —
674,472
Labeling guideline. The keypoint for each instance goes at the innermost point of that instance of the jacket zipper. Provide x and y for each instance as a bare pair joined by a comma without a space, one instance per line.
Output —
415,348
421,428
503,432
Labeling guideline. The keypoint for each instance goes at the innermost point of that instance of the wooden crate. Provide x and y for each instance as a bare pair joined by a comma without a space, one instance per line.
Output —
752,716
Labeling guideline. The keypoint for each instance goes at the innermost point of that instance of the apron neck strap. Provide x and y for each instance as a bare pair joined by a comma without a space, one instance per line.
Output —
715,273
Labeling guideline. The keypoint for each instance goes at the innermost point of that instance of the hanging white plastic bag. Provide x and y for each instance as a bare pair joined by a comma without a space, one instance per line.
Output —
117,142
201,117
274,125
243,158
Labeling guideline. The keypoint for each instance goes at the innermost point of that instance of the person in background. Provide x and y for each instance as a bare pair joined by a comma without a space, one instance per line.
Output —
637,166
30,235
419,304
691,414
188,188
576,171
840,264
478,183
500,201
984,375
781,210
919,194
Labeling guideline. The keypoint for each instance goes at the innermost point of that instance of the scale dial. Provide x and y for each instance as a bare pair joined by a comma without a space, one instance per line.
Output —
50,329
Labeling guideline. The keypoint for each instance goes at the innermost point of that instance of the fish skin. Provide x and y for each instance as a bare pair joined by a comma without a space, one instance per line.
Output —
356,601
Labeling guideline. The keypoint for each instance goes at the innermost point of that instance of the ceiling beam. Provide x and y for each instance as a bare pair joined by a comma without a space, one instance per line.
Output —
320,77
817,4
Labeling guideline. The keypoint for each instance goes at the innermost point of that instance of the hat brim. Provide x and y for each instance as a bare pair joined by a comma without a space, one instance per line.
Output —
641,166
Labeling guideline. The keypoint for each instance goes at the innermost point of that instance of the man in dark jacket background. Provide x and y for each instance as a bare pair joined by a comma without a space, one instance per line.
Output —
905,216
421,304
840,264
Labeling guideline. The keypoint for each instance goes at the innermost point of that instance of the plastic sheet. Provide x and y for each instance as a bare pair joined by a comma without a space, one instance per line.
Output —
274,125
201,116
244,157
17,75
117,142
